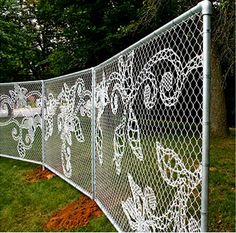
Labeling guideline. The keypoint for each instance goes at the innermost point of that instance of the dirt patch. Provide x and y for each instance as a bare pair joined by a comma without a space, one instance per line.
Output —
39,174
76,214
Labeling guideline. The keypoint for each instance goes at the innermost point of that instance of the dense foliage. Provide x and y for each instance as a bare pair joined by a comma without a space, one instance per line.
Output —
40,39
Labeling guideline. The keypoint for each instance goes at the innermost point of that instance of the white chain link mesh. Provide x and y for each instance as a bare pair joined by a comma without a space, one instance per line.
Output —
148,130
21,120
149,112
68,127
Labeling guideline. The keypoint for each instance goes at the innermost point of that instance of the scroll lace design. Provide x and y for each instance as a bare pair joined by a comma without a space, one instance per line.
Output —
125,87
102,100
70,102
175,174
17,105
50,110
140,210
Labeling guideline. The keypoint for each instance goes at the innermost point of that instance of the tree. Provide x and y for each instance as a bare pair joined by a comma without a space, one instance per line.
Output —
223,61
86,32
41,38
19,48
13,41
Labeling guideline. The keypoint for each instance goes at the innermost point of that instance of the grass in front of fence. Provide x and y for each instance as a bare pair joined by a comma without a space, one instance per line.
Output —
8,145
222,184
27,206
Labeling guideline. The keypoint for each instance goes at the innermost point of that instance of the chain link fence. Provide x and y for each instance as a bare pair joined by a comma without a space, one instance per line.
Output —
67,131
21,120
149,114
129,133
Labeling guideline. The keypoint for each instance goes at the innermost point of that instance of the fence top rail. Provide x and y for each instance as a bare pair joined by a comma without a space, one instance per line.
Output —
51,79
203,6
69,75
21,82
174,22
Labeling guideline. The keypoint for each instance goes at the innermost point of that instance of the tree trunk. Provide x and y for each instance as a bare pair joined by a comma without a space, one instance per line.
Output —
218,106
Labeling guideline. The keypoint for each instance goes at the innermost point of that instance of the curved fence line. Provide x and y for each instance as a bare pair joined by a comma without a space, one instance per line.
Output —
132,133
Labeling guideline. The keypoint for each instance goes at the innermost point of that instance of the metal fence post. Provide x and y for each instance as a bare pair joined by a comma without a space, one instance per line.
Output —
206,11
93,134
43,125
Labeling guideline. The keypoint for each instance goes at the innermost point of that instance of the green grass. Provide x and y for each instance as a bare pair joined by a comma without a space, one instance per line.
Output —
27,206
34,153
222,184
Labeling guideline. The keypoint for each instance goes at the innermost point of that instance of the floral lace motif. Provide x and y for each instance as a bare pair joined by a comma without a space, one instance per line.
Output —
140,209
26,118
125,86
70,102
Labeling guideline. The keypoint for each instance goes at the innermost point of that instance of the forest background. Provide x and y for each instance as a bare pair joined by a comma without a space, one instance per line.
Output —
40,39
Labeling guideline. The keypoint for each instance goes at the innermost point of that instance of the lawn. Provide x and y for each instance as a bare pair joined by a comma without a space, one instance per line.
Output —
26,206
222,184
